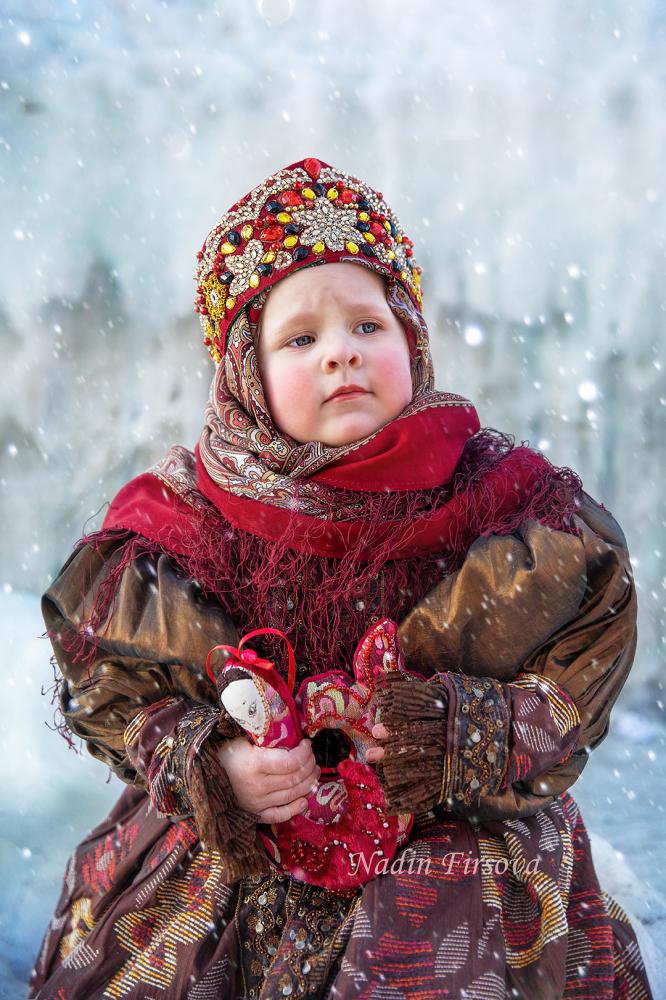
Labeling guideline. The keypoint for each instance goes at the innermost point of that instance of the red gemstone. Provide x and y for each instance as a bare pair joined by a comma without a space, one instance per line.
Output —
376,229
289,198
312,167
347,197
271,233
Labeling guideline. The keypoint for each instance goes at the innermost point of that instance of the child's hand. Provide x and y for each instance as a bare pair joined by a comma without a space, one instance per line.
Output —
375,754
272,783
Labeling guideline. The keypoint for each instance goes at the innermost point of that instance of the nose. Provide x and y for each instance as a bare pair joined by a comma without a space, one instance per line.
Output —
341,352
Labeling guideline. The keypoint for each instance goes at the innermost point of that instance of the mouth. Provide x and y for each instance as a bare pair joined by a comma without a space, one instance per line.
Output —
346,392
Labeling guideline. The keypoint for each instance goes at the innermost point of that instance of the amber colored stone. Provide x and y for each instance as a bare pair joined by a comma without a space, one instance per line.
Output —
318,247
351,247
291,241
332,194
246,232
283,217
227,248
308,193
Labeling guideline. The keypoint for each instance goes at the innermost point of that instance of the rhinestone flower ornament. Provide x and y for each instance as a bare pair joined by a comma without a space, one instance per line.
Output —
304,214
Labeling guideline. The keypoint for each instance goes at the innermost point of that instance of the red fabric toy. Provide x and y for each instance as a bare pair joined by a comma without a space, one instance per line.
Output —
346,815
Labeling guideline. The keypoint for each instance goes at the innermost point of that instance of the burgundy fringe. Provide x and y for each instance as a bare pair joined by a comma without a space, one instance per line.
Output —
323,604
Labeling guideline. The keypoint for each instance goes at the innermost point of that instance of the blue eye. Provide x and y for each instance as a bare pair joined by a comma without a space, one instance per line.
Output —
301,337
368,323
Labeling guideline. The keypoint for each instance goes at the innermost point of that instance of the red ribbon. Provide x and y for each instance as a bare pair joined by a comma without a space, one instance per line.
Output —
250,657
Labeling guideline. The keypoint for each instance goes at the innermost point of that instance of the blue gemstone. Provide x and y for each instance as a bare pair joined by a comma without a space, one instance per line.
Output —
265,269
363,226
274,207
364,204
234,238
368,250
319,189
301,253
226,277
291,229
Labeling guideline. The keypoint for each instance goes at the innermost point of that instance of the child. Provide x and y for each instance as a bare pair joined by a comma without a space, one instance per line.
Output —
332,487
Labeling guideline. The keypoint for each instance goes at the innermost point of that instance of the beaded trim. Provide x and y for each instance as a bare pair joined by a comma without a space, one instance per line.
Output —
173,754
301,215
477,755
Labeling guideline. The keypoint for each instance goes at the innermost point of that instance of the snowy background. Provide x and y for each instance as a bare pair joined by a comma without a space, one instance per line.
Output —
523,150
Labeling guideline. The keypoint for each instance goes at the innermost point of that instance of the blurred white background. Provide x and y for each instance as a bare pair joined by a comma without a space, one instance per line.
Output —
522,147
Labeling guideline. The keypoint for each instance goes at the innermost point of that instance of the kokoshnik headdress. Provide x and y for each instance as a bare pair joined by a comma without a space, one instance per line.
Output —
309,212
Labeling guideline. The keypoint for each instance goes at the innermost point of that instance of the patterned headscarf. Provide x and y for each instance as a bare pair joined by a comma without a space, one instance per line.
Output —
242,450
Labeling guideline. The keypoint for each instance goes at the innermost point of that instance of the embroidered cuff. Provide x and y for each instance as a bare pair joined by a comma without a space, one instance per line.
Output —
456,739
478,730
173,745
448,740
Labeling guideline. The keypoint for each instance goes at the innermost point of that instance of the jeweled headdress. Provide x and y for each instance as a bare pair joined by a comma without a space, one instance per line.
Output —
299,216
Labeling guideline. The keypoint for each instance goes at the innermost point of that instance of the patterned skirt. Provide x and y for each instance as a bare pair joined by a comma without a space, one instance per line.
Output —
506,909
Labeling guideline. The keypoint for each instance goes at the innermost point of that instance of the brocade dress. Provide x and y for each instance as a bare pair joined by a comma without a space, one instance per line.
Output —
523,652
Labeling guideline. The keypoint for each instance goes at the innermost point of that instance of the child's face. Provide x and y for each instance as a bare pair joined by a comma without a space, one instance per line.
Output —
322,328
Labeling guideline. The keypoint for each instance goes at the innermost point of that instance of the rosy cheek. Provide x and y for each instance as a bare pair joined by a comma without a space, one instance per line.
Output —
284,384
395,371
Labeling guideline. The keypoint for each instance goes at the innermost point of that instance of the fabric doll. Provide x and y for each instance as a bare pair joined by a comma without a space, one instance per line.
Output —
346,813
333,488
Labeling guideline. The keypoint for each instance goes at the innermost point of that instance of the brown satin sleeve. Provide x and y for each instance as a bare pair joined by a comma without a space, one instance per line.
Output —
541,602
154,644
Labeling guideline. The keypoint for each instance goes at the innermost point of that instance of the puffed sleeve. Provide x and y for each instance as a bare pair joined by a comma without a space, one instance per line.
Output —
524,649
136,690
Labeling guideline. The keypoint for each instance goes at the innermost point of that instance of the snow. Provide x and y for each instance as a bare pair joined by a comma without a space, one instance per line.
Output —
522,149
54,797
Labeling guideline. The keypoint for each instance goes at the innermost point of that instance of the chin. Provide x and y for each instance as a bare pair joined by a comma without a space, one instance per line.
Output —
353,431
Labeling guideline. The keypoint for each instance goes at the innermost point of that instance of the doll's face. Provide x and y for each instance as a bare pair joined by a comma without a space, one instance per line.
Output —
323,328
243,703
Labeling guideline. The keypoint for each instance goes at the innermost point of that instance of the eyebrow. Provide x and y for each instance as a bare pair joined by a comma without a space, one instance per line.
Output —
307,314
